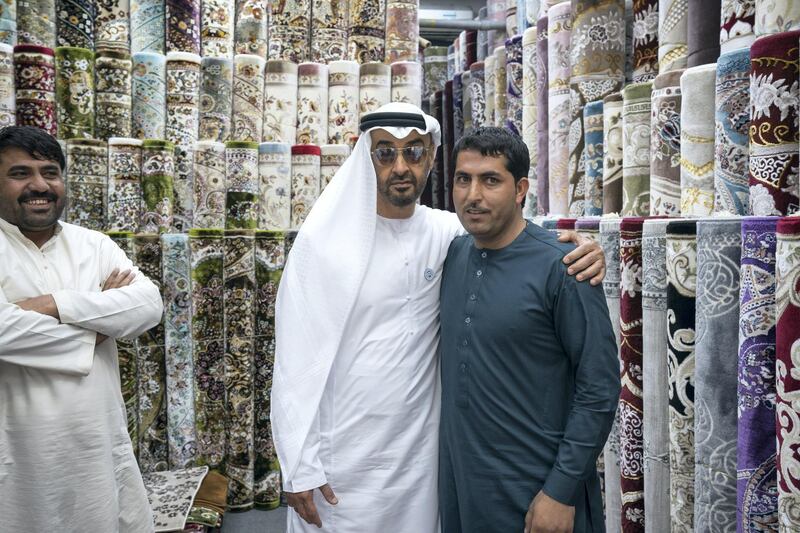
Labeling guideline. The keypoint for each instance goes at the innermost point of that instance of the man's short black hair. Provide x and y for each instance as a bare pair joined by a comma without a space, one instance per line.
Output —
490,141
35,141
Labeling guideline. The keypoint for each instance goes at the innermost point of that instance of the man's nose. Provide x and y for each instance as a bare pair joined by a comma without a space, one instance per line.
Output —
400,167
38,183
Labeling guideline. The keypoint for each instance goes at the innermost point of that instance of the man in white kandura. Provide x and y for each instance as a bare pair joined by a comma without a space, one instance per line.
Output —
355,397
66,461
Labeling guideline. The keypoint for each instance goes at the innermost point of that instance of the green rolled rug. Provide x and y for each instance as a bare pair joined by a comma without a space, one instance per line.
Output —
124,183
636,149
87,183
75,92
208,338
270,257
150,361
158,172
238,297
209,185
126,353
241,198
36,23
113,98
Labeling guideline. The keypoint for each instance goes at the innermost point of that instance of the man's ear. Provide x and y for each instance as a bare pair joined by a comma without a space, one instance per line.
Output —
522,190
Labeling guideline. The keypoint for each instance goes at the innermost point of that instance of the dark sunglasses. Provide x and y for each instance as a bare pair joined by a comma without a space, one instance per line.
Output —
412,155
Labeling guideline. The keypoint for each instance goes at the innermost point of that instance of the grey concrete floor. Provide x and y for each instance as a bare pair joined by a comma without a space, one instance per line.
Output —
255,521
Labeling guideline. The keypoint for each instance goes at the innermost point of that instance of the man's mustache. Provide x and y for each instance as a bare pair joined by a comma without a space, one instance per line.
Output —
394,178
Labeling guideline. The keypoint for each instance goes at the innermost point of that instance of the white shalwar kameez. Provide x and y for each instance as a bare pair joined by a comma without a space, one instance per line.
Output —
66,461
355,398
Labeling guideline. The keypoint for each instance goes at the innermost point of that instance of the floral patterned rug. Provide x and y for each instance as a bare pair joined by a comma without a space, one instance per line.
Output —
171,495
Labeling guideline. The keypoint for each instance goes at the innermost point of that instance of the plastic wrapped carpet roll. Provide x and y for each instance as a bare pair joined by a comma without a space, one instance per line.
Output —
126,354
280,102
407,82
289,43
8,22
681,295
241,196
610,241
757,492
113,104
448,141
630,399
270,258
673,28
216,28
529,110
703,41
250,34
496,12
329,28
179,368
500,80
275,185
542,119
477,97
210,185
216,99
458,107
8,115
466,102
469,49
665,145
645,40
402,30
35,95
158,173
636,110
305,181
332,156
75,23
655,397
490,72
112,25
719,245
75,92
434,68
149,92
787,348
697,140
375,87
148,25
208,339
451,61
366,41
612,153
312,104
629,48
559,34
343,80
737,21
776,16
483,35
437,174
124,184
593,142
36,23
183,26
774,124
238,294
565,224
87,183
150,362
511,20
514,84
731,141
183,98
248,97
597,70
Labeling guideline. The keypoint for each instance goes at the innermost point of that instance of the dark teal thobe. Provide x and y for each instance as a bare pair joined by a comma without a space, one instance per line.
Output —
530,383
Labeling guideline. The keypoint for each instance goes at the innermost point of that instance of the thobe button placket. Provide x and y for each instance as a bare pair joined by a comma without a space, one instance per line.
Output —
479,273
467,320
472,297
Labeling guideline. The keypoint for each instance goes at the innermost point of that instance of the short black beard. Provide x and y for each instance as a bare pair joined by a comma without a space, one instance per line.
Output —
400,201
